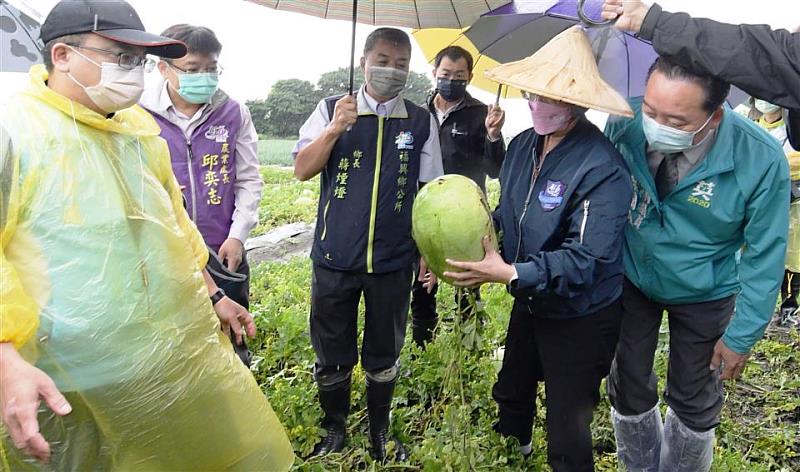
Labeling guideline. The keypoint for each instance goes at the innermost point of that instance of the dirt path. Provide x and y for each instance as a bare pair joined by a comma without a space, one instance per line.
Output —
281,244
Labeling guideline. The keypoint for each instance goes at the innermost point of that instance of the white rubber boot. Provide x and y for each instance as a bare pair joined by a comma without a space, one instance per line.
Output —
685,450
639,440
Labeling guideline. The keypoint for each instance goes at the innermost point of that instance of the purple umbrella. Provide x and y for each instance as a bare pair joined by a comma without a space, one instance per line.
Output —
517,30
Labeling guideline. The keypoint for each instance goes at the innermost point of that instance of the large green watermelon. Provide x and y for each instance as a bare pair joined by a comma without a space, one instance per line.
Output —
449,220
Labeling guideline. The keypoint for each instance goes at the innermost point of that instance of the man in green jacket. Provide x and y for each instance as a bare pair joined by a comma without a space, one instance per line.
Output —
707,184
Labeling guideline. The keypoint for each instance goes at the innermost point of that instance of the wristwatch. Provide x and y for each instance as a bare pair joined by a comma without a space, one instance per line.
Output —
218,295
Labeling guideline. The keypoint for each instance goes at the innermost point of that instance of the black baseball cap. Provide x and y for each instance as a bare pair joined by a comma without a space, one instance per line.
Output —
112,19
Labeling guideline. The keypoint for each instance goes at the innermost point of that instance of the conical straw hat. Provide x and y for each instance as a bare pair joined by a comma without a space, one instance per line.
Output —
564,69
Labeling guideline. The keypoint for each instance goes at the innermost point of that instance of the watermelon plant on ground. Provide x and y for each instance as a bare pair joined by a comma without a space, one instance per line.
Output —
285,200
444,410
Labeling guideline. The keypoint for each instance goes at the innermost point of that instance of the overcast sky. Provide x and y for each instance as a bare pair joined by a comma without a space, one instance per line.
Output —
262,45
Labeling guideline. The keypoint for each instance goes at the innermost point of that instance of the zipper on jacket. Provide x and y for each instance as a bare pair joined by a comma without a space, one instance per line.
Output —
325,221
537,169
585,217
373,215
190,158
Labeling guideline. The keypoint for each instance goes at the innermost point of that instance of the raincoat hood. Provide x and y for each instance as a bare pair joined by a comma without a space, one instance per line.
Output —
133,121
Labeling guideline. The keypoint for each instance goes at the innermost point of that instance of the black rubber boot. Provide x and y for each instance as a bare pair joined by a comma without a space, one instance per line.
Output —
379,406
789,292
422,330
335,402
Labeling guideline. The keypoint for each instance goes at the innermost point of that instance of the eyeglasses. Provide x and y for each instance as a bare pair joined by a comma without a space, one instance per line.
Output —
125,60
532,97
211,70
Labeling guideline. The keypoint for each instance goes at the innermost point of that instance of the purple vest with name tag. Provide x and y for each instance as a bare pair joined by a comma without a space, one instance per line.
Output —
205,166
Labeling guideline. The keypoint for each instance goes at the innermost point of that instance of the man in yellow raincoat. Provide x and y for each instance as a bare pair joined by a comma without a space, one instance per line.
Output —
111,356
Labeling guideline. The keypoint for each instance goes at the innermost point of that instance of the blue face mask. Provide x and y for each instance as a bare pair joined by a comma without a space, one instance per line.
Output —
198,88
666,139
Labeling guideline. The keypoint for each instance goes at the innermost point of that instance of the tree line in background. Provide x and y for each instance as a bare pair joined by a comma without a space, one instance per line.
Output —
291,101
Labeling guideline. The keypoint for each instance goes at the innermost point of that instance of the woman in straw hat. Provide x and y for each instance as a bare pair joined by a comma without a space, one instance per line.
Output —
565,196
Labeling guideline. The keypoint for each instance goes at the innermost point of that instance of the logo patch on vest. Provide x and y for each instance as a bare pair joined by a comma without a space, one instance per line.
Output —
218,134
702,193
553,195
404,140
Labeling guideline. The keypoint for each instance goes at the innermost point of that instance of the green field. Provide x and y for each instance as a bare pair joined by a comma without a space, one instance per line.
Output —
275,152
444,410
285,200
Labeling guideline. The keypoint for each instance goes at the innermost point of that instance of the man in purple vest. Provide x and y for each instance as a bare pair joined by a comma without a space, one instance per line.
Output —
213,147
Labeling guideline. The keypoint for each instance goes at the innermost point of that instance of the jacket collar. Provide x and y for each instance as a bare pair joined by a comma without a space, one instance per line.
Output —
157,100
369,106
719,158
467,102
572,139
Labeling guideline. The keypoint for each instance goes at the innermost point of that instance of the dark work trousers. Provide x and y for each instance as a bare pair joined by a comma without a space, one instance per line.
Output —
693,391
571,356
334,316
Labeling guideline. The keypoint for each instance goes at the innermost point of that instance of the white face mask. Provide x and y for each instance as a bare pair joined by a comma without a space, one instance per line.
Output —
118,88
765,107
665,138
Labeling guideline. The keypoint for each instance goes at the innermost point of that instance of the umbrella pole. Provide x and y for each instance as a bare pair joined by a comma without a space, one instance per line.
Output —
353,45
499,92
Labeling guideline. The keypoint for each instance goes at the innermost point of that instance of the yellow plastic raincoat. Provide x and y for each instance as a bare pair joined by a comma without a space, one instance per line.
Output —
102,289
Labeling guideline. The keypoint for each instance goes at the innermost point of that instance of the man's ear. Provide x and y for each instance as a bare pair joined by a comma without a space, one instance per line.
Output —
716,118
363,64
163,67
469,79
60,55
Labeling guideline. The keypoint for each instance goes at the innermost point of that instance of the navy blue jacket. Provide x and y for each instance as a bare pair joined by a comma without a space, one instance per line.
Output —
564,233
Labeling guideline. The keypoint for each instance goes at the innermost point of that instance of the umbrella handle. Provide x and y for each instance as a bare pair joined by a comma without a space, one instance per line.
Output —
499,92
585,18
353,47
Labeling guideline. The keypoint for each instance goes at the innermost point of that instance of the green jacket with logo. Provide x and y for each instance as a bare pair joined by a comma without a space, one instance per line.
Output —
683,249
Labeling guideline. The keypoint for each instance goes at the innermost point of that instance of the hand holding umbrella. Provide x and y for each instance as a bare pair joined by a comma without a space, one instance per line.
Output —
629,14
495,118
345,115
